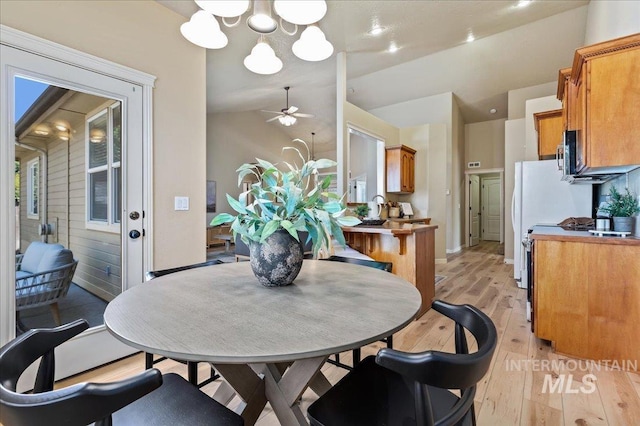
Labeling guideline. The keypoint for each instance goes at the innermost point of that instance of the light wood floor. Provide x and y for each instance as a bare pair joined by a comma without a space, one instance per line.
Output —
512,391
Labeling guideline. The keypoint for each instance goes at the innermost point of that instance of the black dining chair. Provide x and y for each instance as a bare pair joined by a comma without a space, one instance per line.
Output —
192,367
397,388
148,398
384,266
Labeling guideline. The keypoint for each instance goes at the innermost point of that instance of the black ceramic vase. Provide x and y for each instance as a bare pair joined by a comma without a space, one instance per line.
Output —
278,260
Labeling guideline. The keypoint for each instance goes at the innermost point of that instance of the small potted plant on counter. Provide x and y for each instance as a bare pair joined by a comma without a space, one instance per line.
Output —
361,210
622,207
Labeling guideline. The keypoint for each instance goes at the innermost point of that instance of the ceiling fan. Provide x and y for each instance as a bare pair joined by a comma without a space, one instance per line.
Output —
287,116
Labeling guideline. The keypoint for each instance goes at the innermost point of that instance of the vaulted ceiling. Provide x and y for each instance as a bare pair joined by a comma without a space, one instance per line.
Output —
514,47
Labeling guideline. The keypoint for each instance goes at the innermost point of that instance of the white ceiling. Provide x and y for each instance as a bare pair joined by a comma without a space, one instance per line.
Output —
514,48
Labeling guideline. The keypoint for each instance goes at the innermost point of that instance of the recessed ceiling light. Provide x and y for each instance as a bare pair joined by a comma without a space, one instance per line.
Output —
470,38
376,30
523,3
393,48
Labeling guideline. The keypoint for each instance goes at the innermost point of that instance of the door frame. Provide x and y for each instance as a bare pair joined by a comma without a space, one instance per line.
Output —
467,201
35,45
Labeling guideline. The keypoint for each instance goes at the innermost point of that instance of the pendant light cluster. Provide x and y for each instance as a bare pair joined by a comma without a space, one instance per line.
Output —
204,30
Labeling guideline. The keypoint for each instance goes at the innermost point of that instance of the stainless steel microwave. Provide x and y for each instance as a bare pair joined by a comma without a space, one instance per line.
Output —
569,139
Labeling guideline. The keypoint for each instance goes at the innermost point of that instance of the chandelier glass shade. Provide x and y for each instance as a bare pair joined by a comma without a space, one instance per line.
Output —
263,59
204,30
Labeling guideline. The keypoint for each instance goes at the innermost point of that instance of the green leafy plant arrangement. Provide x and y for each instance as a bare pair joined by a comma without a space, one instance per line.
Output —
293,200
621,205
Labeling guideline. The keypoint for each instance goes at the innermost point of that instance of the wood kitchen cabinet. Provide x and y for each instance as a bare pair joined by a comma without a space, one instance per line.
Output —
400,169
602,96
586,295
549,127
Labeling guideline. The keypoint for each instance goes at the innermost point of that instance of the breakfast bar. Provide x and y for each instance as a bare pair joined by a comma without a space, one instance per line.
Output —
410,247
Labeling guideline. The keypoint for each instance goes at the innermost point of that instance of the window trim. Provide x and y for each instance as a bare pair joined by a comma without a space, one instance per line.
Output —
35,162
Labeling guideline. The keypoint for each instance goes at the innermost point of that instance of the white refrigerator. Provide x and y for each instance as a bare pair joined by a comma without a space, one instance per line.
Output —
540,197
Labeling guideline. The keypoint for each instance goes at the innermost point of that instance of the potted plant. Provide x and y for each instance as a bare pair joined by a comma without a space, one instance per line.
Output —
285,204
621,207
361,210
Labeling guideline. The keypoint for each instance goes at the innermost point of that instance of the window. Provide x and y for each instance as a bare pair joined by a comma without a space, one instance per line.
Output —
104,145
33,188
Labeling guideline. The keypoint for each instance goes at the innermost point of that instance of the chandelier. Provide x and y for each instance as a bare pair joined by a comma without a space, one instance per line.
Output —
204,30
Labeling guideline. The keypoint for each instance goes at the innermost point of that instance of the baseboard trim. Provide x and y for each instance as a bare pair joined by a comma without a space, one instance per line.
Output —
508,261
441,261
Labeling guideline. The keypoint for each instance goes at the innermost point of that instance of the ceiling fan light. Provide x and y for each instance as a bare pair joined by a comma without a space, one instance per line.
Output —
313,45
300,12
263,59
224,8
203,30
261,20
287,120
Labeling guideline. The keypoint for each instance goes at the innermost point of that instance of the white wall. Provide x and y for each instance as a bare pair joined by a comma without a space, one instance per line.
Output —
429,198
518,97
237,138
484,142
443,109
608,19
145,35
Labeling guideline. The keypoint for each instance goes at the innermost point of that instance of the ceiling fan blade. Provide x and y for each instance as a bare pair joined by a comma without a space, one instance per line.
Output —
302,115
292,109
271,112
274,118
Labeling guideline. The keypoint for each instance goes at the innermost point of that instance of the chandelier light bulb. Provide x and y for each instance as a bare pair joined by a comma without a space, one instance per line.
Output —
300,12
261,20
263,59
224,8
313,45
203,30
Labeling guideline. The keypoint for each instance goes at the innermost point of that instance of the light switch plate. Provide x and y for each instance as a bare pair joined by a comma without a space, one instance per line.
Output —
181,203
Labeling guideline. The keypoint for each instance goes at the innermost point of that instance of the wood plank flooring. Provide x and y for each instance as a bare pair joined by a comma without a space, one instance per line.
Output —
512,392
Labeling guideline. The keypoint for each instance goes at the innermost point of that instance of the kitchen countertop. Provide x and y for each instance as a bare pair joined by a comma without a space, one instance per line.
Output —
391,228
556,233
425,220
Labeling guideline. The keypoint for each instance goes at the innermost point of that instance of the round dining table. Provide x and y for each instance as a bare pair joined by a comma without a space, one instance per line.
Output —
268,343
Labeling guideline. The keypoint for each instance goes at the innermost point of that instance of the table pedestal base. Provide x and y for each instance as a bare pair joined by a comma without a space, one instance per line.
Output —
280,384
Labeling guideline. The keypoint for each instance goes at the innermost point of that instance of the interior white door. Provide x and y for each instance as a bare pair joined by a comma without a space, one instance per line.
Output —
95,346
474,210
491,209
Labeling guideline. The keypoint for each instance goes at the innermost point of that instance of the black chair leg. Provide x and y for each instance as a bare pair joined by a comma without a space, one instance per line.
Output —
148,360
357,355
390,341
192,372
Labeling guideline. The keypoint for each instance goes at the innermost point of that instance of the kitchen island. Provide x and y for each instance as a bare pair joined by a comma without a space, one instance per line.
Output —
410,247
586,293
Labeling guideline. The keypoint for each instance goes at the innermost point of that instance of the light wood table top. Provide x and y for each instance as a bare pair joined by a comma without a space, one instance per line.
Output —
222,314
268,343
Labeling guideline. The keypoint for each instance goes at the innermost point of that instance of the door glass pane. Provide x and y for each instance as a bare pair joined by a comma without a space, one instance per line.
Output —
81,197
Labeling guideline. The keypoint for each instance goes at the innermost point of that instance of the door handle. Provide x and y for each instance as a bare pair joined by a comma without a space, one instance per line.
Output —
134,234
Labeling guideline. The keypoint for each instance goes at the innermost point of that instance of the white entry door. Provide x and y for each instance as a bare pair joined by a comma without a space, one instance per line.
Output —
491,209
112,193
474,210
